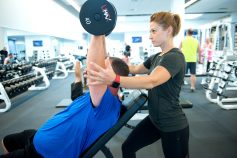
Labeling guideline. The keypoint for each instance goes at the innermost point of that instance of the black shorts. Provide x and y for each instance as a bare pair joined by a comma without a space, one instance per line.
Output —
20,145
76,90
192,67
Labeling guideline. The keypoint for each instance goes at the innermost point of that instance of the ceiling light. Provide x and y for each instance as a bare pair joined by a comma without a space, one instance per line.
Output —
121,18
192,16
74,5
190,2
222,8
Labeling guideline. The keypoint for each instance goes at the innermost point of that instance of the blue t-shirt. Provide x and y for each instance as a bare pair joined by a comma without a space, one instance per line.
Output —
70,132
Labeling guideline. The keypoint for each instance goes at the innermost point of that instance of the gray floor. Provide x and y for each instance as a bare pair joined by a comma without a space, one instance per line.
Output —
213,131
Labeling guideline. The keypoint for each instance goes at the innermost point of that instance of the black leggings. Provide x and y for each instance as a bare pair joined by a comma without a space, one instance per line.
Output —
20,145
174,144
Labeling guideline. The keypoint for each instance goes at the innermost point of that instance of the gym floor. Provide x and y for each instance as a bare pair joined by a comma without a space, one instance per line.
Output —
213,131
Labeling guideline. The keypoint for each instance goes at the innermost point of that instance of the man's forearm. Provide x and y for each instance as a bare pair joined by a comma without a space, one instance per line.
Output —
96,54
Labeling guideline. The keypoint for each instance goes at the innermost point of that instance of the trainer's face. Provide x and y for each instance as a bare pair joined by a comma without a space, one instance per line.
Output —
158,35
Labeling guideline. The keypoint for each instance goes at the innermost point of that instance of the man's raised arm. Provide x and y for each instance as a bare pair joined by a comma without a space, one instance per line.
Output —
96,54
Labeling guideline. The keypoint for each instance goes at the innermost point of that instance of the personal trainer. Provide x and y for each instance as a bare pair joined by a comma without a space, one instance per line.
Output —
165,74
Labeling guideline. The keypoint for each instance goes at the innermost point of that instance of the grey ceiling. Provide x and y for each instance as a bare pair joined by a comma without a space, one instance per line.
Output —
139,10
211,9
137,7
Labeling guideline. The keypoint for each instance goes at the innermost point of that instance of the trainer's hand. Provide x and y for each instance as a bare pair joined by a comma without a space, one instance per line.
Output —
99,75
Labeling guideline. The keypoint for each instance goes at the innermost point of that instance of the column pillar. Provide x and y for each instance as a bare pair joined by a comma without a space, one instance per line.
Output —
3,39
177,7
232,31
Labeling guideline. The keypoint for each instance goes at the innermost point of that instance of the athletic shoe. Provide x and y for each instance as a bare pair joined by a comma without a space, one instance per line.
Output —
185,82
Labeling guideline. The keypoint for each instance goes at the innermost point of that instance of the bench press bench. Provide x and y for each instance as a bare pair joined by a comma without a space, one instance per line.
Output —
137,101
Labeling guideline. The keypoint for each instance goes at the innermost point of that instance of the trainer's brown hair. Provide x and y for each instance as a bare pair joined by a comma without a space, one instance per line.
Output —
166,19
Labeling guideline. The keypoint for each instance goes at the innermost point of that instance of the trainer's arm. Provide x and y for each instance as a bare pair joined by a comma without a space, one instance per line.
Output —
138,69
157,77
96,54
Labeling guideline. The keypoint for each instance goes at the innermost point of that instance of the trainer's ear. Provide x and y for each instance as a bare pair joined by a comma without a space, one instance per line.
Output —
170,30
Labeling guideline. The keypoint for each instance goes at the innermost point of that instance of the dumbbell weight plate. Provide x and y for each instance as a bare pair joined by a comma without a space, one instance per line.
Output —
98,17
115,22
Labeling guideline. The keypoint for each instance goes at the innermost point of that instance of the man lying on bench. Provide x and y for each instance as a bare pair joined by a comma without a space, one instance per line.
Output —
135,102
68,133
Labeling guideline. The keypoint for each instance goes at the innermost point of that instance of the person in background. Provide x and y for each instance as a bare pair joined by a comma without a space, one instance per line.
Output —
145,54
9,59
208,51
127,54
190,47
165,74
3,54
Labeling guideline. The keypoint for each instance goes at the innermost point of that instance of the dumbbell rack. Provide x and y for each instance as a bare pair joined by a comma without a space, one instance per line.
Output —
40,71
222,80
214,80
221,101
5,98
61,68
36,77
12,82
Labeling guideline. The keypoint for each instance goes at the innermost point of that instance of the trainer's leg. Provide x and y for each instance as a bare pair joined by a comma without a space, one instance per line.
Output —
175,144
144,134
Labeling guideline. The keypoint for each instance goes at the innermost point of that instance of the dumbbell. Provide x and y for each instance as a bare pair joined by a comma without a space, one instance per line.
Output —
6,83
13,90
98,17
9,91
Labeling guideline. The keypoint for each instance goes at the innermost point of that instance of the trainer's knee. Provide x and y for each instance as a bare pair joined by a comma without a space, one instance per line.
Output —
123,147
128,151
126,147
